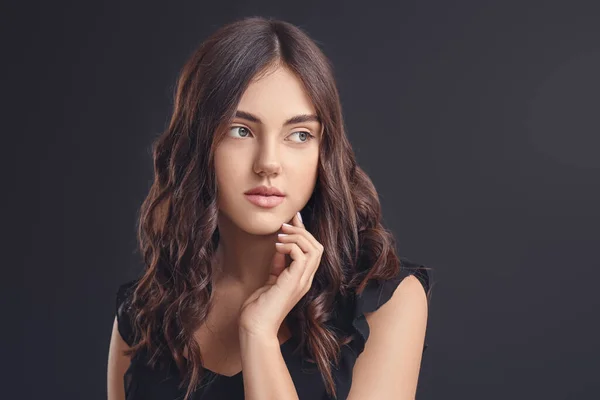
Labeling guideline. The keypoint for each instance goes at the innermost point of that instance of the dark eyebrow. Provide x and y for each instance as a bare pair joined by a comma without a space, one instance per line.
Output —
298,119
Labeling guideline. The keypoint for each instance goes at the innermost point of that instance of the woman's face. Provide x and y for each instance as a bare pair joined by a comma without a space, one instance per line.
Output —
260,148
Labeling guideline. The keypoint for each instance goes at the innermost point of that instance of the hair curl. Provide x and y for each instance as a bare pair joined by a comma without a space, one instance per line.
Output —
177,229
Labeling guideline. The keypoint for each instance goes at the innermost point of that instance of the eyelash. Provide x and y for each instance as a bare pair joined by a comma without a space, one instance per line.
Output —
310,136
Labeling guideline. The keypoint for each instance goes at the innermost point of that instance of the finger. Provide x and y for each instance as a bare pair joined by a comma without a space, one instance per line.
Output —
308,246
297,220
286,228
304,244
272,279
312,255
278,263
256,294
317,265
316,250
298,257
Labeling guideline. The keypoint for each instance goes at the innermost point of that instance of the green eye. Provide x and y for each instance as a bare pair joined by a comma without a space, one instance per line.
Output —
305,134
308,136
239,127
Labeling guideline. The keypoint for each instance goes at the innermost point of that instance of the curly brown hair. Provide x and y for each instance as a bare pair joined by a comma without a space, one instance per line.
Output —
177,230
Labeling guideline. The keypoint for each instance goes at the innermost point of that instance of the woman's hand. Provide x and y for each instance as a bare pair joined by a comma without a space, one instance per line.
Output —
264,311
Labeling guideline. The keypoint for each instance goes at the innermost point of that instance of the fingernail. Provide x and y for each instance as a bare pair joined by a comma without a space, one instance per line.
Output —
300,216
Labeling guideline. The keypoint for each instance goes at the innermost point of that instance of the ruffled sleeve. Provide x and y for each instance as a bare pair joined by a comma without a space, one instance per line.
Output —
377,293
123,311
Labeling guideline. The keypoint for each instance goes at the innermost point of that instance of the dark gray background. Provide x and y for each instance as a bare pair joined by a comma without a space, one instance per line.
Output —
477,121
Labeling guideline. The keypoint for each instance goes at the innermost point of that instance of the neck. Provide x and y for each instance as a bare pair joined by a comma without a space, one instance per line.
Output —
243,260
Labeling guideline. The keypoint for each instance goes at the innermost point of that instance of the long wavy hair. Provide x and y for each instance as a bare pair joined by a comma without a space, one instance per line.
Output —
177,229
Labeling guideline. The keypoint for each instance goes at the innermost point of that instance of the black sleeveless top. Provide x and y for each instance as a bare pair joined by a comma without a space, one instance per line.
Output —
161,383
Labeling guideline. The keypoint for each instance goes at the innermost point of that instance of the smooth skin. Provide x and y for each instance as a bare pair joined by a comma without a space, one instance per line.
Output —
261,148
265,310
117,365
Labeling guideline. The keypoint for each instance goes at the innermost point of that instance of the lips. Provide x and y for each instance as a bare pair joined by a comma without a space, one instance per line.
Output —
265,201
265,196
265,191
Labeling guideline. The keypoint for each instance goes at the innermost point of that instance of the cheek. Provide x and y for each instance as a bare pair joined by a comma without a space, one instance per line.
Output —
220,168
226,169
225,173
303,177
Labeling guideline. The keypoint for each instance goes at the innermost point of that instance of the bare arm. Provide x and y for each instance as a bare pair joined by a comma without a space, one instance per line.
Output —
266,375
117,365
389,366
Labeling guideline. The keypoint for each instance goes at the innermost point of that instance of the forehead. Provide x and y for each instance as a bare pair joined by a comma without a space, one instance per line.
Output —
276,96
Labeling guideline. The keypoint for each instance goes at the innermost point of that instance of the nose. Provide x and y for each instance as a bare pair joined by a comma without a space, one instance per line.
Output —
267,160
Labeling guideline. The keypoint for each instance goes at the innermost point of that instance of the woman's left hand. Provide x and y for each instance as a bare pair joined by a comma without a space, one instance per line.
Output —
264,311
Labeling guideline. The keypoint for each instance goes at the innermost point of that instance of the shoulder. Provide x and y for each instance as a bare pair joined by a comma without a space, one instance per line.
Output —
409,296
394,327
404,315
406,295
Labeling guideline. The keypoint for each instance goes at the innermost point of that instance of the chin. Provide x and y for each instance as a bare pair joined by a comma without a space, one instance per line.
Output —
262,223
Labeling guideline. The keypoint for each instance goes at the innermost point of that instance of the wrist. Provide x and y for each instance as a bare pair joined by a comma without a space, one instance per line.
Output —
258,339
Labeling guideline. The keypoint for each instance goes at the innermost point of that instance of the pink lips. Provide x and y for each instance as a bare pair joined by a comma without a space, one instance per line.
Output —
265,201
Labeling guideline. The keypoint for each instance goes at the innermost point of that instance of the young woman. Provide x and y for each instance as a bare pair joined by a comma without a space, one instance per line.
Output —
268,272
